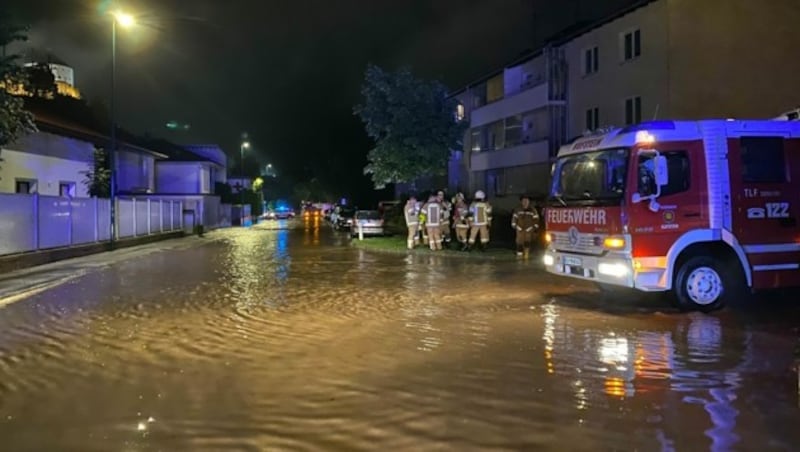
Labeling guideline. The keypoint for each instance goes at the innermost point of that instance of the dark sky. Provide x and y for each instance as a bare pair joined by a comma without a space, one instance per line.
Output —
285,71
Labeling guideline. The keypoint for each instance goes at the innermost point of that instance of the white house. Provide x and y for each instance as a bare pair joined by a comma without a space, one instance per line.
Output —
190,170
55,159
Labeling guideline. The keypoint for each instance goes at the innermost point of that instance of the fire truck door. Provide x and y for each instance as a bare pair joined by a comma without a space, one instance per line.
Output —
680,207
766,207
766,201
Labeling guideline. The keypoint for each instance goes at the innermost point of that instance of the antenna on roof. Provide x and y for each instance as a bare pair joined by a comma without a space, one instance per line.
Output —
655,115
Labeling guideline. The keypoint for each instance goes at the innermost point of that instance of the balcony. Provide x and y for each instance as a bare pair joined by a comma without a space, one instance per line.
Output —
524,101
524,154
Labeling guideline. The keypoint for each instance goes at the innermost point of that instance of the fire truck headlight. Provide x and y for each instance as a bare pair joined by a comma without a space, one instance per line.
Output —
548,238
617,270
548,260
614,243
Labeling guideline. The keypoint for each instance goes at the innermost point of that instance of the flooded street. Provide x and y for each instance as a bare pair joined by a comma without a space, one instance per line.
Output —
288,339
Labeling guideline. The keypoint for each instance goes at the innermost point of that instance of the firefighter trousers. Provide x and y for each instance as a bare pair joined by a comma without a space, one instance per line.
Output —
444,231
434,237
412,235
524,240
462,233
483,230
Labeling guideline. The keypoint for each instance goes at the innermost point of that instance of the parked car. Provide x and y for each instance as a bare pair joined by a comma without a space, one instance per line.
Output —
279,214
344,219
369,222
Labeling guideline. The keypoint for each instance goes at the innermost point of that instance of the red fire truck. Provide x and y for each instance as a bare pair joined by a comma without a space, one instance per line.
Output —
705,209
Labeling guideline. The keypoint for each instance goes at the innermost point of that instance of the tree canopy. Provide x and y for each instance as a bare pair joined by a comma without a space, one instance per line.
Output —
15,121
412,122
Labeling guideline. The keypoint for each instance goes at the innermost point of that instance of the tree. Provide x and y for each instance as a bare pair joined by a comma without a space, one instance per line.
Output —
412,122
98,178
40,81
15,121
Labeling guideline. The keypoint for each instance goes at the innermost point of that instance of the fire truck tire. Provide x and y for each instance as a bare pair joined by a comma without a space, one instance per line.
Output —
705,284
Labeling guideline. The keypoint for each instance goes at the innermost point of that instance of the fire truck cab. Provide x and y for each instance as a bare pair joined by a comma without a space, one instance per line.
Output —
705,209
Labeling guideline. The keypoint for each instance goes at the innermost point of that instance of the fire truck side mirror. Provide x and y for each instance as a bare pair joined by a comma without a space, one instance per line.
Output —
661,171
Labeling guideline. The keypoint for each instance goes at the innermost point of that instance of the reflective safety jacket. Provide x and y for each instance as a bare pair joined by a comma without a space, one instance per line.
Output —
525,219
433,214
411,214
481,213
461,217
447,211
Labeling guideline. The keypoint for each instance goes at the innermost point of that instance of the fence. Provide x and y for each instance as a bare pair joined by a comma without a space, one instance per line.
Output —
36,222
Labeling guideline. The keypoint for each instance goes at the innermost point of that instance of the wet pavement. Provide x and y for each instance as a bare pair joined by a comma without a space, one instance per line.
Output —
285,338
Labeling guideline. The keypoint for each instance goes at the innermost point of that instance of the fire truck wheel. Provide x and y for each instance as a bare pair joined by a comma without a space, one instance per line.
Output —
704,284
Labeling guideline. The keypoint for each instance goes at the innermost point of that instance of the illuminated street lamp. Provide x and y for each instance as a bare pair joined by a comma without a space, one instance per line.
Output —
125,21
242,147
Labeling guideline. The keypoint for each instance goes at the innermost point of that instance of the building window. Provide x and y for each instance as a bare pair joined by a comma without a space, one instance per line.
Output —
513,131
24,187
633,110
475,139
763,160
460,114
632,45
591,61
66,189
593,119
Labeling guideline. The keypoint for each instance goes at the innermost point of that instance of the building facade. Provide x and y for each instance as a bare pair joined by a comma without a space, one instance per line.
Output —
662,59
681,59
517,118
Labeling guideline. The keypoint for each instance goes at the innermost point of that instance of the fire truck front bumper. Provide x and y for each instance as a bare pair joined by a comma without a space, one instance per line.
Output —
613,268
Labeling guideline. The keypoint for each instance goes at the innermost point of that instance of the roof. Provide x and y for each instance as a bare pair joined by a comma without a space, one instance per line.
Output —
175,152
586,27
72,118
34,55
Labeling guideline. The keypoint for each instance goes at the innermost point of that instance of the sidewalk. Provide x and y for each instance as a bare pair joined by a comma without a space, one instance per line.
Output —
20,284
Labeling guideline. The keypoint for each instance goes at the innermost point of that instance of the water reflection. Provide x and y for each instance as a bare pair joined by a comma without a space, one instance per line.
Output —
694,361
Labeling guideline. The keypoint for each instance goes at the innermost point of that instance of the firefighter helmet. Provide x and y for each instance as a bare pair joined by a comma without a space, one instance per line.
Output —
480,195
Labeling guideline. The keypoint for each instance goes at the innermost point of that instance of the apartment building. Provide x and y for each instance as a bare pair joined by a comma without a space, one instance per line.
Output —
676,59
684,59
517,119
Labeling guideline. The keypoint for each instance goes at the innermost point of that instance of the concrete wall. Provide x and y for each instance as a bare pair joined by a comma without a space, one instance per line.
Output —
646,76
135,172
733,58
182,178
47,159
36,222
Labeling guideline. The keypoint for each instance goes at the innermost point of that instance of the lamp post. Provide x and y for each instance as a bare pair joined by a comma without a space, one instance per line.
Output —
242,147
125,21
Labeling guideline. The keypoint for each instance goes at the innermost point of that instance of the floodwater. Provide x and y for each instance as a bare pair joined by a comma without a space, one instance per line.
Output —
288,339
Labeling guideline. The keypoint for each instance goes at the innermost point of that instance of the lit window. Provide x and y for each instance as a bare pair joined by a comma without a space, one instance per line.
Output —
460,114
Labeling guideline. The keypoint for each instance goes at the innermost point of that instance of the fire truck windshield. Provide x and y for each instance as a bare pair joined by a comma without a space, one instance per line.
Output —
591,178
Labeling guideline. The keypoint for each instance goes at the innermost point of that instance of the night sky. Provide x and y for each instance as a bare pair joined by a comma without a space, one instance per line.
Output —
285,71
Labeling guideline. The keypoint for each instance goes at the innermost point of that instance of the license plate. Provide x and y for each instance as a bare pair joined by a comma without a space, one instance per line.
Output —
573,261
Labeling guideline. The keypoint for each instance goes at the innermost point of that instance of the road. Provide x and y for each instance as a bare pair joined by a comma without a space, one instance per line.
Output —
286,338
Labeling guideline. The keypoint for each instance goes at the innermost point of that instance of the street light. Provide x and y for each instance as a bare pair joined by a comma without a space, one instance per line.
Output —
125,21
242,147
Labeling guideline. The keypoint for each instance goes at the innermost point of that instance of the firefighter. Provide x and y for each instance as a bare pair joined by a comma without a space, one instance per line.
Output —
423,229
461,220
433,218
447,209
411,211
480,212
525,222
